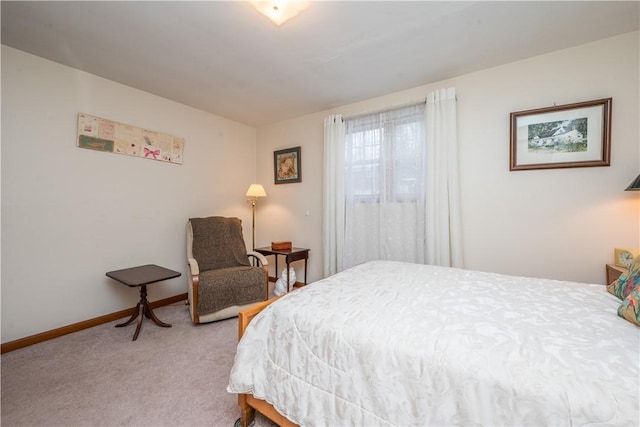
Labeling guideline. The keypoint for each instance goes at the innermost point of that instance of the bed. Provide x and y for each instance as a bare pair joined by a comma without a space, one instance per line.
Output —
392,343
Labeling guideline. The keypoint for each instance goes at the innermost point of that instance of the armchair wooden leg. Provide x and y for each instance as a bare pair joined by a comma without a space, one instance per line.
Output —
195,282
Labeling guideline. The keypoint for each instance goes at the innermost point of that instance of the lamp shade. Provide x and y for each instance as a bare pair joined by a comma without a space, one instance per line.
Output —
635,185
256,190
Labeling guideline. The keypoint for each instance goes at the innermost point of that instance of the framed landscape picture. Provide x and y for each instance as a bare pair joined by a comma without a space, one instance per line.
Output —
564,136
286,166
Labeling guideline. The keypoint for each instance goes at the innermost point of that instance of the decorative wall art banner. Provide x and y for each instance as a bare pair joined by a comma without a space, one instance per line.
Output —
100,134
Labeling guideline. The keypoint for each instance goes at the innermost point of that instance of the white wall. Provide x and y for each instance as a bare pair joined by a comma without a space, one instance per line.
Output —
69,214
556,223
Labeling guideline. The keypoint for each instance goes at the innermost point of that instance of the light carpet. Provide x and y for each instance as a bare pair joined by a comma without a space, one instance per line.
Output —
98,377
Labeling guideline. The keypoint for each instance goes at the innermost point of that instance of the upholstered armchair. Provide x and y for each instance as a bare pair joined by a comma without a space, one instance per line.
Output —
222,280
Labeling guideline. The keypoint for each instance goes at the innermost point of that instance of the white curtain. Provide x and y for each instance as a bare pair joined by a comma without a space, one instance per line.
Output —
333,196
443,232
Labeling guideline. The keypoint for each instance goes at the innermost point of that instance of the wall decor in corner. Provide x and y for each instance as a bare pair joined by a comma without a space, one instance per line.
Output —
286,166
563,136
100,134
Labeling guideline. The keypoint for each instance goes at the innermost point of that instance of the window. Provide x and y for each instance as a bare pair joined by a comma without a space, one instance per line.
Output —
391,186
384,154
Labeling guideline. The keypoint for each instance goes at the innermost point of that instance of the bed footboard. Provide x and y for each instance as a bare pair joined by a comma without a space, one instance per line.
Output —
247,315
249,404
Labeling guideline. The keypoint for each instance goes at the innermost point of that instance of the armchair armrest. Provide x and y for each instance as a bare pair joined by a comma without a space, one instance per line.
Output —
261,258
193,266
264,264
193,281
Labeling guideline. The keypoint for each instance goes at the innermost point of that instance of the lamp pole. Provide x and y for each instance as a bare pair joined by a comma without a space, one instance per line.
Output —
253,222
254,191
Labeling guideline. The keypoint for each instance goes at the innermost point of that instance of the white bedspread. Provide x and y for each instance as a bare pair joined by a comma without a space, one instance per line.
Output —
389,343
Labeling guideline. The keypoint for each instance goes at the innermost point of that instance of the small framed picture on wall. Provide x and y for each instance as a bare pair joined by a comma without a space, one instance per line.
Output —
287,166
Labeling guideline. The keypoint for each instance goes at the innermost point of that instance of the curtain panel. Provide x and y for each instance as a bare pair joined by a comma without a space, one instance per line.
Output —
333,196
443,233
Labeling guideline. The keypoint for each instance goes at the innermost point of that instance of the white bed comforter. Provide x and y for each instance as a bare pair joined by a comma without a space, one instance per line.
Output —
390,343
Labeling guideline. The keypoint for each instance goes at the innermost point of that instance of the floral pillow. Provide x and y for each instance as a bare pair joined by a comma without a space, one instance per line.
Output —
627,281
629,307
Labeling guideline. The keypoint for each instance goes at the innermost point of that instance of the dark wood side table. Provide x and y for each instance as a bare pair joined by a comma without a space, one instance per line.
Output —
613,272
291,255
141,277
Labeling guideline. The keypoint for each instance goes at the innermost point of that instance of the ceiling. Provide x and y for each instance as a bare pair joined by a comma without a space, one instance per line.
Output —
229,60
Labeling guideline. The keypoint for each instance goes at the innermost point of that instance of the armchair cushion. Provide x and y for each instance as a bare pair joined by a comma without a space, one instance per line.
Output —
226,287
226,250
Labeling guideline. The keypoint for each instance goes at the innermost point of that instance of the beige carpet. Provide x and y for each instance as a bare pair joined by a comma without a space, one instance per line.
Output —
98,377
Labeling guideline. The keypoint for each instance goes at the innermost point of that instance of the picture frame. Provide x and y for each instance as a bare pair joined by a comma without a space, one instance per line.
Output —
287,166
563,136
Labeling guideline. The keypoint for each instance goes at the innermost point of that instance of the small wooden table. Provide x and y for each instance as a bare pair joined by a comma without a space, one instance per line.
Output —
290,255
141,277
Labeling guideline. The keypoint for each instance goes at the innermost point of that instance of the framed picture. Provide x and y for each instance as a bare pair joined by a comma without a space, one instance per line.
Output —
564,136
286,166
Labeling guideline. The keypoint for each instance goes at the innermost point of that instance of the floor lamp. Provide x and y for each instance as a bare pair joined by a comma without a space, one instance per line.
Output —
254,191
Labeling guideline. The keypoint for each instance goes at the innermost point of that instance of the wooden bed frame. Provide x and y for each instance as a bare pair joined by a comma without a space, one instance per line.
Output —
249,404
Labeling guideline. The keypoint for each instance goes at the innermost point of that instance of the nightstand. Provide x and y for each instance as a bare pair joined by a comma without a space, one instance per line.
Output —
290,255
613,272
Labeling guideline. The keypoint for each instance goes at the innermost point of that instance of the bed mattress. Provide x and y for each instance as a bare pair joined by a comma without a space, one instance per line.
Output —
391,343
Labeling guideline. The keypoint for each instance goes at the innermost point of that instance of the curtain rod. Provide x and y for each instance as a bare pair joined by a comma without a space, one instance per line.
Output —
393,107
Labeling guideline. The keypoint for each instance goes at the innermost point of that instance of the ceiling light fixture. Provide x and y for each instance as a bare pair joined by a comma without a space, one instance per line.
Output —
280,11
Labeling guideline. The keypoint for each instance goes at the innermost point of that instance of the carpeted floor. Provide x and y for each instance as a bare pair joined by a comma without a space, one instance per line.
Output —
98,377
